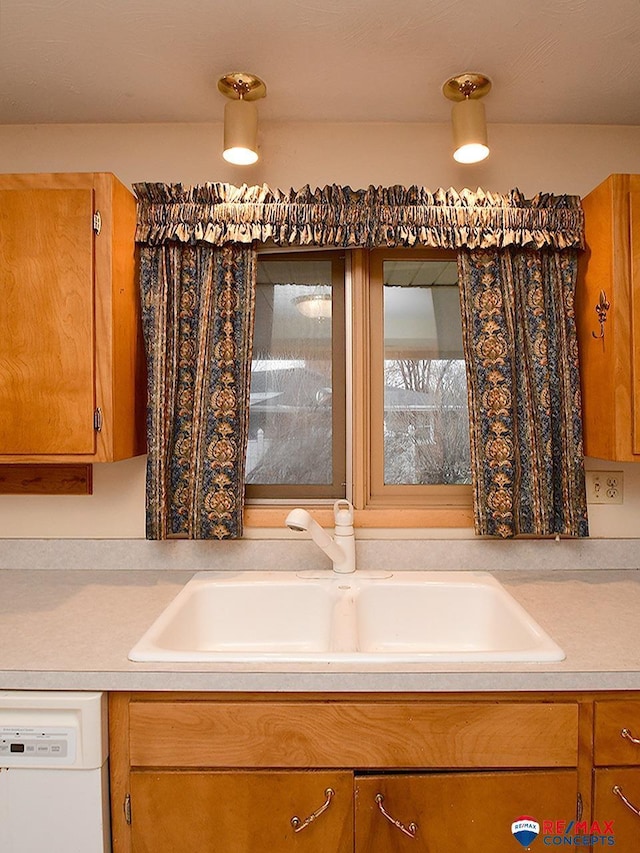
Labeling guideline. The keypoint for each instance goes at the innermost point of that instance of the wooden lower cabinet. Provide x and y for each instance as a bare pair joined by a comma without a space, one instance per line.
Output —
374,773
231,812
616,777
457,812
339,812
616,807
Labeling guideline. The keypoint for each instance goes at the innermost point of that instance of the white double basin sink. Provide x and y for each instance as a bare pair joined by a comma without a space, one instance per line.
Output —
364,617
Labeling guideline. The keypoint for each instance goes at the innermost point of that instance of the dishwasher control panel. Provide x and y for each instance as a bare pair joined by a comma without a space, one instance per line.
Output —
30,746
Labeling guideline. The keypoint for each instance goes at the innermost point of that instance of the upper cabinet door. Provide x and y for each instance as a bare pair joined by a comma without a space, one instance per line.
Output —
609,291
47,320
72,372
634,236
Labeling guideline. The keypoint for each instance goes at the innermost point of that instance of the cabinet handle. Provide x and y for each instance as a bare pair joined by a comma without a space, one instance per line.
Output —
601,310
625,733
579,806
408,830
298,825
617,790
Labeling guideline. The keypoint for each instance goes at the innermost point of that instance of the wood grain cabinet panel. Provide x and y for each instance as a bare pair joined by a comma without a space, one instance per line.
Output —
457,812
610,355
354,734
46,345
183,812
72,374
612,787
617,733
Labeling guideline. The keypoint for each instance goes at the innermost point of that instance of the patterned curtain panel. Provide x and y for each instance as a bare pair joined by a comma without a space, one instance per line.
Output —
524,391
198,308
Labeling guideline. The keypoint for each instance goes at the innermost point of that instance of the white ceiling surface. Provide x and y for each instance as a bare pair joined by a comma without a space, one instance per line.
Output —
551,61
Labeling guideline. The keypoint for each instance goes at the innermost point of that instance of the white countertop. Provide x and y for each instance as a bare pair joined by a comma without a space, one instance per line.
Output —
72,629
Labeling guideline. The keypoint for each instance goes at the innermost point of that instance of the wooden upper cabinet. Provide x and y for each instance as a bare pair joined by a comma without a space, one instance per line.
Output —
72,378
610,364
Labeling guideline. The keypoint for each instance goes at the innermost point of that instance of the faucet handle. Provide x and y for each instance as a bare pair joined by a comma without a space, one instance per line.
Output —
343,513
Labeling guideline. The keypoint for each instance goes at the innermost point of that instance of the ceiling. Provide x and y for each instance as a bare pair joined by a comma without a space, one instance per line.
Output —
551,61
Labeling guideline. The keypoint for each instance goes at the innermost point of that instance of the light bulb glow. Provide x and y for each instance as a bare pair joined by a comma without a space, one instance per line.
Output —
240,156
474,152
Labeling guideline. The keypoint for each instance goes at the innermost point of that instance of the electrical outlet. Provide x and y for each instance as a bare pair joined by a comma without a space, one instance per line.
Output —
605,487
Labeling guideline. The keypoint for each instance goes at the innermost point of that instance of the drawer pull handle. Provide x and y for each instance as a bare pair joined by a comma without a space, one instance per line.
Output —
627,734
298,825
408,830
617,790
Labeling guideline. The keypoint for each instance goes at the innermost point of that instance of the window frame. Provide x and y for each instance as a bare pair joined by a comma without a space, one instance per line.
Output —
432,507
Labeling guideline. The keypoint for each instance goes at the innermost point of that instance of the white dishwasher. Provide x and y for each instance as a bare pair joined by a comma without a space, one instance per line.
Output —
54,774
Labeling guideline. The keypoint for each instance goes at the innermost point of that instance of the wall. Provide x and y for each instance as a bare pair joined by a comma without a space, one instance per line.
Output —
558,159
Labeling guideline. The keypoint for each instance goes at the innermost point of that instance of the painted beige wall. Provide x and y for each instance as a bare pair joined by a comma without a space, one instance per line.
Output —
557,159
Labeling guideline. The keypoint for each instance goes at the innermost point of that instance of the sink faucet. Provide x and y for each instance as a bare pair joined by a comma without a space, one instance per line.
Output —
341,549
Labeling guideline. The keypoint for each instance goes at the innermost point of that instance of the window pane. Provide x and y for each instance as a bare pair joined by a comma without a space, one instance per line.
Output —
426,420
291,411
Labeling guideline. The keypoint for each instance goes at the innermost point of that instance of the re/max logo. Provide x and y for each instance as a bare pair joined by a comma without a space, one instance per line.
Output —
577,833
578,827
563,833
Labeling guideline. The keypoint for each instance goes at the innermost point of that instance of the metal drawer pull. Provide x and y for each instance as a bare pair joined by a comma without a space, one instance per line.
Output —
298,825
617,790
408,830
627,734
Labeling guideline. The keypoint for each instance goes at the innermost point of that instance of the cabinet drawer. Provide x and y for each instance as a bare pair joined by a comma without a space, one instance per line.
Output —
353,734
617,726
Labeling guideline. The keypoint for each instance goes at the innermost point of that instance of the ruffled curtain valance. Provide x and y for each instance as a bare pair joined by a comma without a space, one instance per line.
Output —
218,213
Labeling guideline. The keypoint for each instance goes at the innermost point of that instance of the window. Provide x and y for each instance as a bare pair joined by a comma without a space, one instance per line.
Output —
297,423
420,451
397,444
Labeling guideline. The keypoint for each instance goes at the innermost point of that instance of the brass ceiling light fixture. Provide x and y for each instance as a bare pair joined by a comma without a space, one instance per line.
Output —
468,116
241,116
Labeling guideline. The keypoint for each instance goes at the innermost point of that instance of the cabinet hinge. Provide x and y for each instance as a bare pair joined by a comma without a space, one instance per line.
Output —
97,419
97,222
127,808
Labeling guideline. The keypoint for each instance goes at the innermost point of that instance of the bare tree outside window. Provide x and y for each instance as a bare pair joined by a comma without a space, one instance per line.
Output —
290,435
426,420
